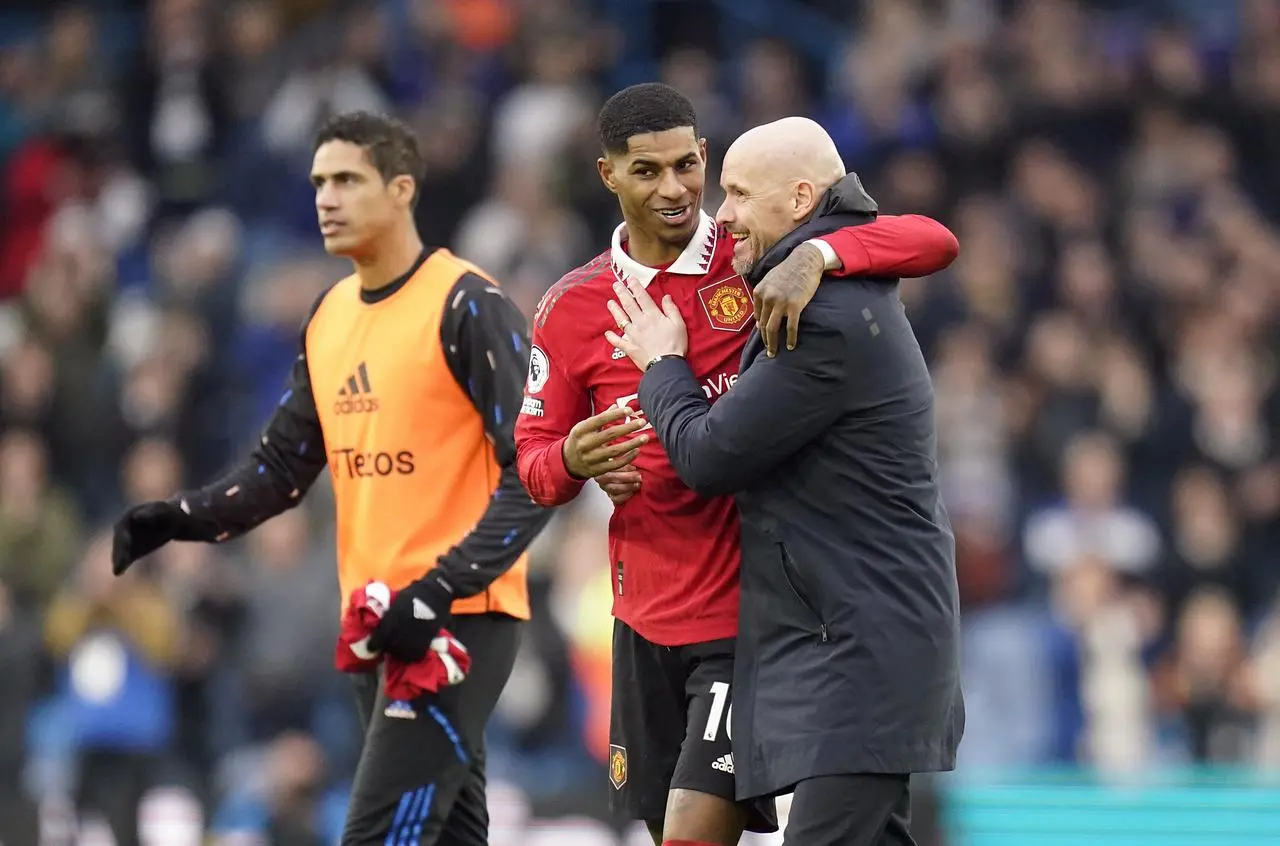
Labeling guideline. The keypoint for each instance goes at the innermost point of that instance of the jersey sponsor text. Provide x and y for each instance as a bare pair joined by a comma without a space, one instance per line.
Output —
366,465
714,386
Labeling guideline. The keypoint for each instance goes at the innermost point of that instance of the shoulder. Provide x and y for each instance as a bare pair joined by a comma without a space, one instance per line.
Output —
834,304
575,287
455,265
841,298
473,293
853,313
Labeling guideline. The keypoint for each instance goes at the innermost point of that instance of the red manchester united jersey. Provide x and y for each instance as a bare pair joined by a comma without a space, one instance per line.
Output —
675,555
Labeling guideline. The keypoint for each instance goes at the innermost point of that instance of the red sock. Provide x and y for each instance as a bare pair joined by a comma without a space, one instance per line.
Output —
686,843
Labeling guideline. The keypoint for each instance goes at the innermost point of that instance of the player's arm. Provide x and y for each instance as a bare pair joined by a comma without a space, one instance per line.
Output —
552,404
897,246
778,405
486,344
272,479
558,445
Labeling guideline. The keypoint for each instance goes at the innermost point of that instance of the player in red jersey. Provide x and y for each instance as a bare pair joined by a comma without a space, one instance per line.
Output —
675,555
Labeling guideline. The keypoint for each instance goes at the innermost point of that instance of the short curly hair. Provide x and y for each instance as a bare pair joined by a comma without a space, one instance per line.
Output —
639,109
388,141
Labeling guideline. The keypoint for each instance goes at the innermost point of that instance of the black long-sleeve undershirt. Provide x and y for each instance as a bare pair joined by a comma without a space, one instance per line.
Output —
486,343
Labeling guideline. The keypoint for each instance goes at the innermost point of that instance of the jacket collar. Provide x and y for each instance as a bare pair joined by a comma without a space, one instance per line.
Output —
694,261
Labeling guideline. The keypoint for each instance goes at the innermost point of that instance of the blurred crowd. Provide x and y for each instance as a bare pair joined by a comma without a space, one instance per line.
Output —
1104,353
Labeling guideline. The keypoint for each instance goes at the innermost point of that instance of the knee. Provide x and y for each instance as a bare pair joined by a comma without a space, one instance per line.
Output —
702,819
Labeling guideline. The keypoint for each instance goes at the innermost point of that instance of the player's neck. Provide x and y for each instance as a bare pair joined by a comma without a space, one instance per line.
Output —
390,261
651,251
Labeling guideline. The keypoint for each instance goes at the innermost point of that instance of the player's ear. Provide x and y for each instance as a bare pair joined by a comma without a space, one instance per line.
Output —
702,149
605,166
402,188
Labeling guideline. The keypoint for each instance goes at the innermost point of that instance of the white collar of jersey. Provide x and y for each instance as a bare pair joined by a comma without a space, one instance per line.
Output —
694,261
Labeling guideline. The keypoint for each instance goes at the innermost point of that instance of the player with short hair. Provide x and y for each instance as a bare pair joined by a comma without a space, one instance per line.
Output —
406,384
675,555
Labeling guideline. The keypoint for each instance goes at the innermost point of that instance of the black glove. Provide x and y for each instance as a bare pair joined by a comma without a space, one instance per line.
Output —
147,527
415,617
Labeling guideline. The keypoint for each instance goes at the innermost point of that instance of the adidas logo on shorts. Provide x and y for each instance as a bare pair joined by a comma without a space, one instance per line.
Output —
724,764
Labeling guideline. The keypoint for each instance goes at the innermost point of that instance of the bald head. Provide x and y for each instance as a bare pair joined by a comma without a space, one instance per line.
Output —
773,178
787,150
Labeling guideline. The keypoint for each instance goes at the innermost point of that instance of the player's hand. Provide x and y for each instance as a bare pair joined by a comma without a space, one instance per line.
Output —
784,292
414,618
621,484
646,330
147,527
603,443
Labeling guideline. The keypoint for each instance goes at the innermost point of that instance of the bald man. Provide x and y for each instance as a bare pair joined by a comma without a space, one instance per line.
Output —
846,679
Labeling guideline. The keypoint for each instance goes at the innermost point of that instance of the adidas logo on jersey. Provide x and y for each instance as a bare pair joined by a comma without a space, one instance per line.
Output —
355,396
724,764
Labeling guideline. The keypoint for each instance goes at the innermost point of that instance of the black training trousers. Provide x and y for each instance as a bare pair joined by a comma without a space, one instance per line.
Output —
851,810
421,781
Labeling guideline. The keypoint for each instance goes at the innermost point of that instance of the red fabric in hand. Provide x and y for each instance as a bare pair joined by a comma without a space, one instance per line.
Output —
447,663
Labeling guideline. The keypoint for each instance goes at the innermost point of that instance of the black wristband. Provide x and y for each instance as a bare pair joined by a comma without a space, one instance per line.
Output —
651,362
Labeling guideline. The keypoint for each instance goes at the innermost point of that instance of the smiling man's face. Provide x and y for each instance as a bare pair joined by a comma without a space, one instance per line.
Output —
659,182
757,209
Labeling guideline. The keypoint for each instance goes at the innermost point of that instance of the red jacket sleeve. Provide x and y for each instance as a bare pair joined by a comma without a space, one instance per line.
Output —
905,246
553,403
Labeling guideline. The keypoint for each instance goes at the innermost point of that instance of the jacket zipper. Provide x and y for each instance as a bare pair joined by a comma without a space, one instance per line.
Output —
787,565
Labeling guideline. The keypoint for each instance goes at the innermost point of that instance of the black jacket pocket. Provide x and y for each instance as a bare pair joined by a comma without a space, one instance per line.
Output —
792,576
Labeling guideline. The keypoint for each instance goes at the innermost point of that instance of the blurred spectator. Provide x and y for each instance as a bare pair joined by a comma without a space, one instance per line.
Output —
1205,681
26,385
1094,519
449,128
290,808
116,640
771,84
532,123
336,77
253,64
296,770
1206,545
973,447
1104,711
38,525
523,235
176,114
289,609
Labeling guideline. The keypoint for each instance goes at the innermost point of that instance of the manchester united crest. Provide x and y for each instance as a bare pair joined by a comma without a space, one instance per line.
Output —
727,303
617,766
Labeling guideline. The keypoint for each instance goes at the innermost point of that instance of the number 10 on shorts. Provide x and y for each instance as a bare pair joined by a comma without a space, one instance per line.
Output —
719,712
